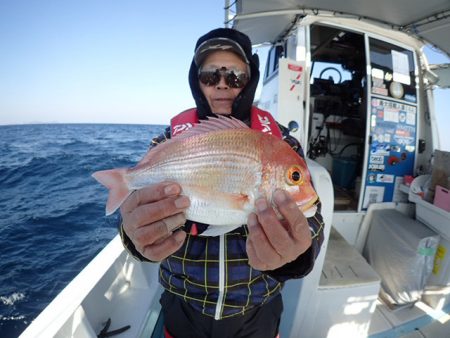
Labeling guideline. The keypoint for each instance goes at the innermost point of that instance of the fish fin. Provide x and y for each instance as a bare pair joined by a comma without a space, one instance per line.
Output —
113,179
212,124
217,230
146,158
237,201
204,126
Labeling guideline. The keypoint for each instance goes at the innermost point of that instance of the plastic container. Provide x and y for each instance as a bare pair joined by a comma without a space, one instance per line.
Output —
442,198
439,220
433,216
344,172
441,269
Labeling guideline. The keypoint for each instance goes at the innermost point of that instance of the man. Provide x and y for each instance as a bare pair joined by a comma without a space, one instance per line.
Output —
228,285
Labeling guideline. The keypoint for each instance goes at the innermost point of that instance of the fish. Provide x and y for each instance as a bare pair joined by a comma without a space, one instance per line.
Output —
223,166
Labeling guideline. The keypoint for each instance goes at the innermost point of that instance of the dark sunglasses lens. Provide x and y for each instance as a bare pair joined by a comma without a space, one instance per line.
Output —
236,81
209,78
212,78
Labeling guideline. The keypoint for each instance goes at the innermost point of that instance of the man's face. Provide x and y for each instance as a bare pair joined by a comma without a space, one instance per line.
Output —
221,96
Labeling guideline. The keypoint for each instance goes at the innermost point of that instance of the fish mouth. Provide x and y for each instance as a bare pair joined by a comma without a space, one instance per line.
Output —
309,209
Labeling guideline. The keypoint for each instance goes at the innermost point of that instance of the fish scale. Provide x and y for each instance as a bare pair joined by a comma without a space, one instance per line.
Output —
187,170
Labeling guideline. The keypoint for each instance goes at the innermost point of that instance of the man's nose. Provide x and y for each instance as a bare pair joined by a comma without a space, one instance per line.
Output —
222,83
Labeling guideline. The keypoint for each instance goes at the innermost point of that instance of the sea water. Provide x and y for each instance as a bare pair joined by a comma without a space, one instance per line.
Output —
52,212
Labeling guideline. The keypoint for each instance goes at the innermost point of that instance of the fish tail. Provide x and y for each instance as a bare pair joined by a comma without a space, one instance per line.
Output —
114,180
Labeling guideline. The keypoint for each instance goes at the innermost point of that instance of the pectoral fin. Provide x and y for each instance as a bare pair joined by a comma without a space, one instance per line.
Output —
233,201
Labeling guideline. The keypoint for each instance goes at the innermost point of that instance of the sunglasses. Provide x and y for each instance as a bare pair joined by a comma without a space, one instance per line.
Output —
233,78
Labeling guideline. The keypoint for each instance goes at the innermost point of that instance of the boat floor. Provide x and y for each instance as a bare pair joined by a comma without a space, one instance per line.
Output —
344,199
423,323
417,321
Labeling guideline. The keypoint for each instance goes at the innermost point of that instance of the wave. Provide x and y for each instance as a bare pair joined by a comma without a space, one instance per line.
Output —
12,299
12,318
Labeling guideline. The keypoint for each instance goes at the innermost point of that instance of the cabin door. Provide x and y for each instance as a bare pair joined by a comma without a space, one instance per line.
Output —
392,121
362,114
338,109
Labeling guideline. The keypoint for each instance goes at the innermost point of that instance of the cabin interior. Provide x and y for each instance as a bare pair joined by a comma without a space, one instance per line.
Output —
337,123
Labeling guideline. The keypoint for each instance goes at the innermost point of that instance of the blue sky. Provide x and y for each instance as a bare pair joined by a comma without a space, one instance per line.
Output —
99,61
106,60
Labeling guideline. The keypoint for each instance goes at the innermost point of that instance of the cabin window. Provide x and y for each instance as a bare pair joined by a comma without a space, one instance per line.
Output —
393,71
275,53
329,71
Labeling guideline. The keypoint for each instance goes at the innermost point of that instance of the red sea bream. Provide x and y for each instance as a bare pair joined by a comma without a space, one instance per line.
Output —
223,166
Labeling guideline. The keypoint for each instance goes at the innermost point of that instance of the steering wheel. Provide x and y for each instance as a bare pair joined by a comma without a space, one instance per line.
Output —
331,69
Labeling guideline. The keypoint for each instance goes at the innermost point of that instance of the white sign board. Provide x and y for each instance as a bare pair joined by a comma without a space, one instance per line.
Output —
291,94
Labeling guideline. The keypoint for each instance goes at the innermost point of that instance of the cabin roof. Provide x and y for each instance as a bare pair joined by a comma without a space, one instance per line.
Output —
427,20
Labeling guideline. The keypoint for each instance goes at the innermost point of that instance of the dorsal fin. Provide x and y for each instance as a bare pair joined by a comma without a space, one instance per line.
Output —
204,126
212,124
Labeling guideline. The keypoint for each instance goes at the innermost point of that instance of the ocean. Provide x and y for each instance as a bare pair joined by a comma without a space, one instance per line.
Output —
52,212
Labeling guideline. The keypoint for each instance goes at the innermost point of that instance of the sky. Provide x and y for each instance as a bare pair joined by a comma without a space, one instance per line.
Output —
107,61
99,60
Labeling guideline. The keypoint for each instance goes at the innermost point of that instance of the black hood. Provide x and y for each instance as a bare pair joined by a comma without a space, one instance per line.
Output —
243,102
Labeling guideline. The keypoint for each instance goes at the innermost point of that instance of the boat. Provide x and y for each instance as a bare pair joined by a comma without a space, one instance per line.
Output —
340,74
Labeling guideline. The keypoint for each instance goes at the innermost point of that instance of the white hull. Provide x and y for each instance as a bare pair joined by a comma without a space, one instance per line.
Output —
113,285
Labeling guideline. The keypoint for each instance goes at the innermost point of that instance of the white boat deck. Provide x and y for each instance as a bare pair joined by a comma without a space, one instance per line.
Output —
417,321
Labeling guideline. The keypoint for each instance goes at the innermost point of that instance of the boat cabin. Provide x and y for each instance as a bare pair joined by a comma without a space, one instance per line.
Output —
358,94
368,129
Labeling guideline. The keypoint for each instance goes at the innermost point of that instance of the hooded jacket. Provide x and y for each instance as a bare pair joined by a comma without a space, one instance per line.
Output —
243,102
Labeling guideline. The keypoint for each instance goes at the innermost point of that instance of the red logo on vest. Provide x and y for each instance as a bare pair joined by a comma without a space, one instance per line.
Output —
265,124
184,121
260,120
179,128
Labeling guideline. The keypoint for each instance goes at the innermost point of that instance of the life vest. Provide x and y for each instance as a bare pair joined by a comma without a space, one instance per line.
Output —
260,120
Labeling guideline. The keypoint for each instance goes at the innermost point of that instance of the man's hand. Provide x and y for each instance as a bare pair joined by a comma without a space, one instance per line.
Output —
272,243
150,215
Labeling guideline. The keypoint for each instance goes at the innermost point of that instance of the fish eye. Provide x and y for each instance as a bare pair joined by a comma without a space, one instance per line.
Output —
294,175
